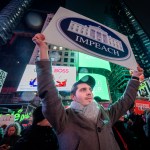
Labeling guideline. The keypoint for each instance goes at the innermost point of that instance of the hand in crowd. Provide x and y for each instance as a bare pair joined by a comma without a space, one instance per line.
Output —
38,39
4,147
138,73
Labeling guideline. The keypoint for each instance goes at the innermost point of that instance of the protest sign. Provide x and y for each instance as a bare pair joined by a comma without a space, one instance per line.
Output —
141,106
77,32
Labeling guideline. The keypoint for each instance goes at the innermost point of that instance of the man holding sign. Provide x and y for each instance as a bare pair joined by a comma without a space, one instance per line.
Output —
85,125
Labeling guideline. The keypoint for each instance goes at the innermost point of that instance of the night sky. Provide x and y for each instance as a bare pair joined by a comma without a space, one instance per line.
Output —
141,10
97,8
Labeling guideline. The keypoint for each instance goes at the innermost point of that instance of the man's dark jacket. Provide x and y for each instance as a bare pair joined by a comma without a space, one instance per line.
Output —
76,132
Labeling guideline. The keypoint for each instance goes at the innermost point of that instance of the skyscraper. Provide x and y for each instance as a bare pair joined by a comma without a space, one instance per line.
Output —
139,40
123,20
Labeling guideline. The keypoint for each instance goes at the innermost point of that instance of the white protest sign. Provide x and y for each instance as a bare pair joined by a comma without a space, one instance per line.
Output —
77,32
6,119
64,77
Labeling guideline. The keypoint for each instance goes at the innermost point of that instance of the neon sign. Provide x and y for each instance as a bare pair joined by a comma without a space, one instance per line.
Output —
18,116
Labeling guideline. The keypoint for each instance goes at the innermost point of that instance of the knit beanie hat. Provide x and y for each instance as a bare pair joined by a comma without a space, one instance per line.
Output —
37,115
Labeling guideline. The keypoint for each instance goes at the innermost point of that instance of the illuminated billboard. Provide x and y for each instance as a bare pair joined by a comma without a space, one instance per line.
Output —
93,62
64,78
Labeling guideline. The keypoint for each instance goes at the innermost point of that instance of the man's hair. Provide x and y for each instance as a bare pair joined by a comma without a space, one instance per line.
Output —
74,89
86,79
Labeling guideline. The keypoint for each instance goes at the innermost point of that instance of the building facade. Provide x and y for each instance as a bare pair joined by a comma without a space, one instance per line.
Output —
124,21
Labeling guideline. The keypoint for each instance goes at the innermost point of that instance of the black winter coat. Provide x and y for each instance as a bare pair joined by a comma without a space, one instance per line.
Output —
38,138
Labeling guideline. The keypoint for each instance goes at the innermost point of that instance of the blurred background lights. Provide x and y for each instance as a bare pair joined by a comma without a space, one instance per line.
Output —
34,20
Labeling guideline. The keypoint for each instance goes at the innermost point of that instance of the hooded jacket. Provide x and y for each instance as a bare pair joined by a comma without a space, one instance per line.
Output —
38,138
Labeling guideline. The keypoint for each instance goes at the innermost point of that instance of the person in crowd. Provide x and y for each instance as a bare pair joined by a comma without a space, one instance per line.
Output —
85,124
98,99
11,135
135,129
119,131
39,136
147,125
4,126
25,124
1,133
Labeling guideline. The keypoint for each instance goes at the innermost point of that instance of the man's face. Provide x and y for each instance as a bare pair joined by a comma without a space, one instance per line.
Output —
83,95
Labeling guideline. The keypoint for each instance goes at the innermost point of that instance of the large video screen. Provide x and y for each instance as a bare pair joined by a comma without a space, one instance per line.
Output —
64,78
93,62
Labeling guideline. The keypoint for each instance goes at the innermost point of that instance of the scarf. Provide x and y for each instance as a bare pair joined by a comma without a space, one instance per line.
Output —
90,111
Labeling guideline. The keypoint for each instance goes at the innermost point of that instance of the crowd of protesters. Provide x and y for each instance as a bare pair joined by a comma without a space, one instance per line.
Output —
132,132
36,135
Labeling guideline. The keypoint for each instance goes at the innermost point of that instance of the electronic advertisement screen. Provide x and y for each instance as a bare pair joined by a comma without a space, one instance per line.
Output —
64,78
93,62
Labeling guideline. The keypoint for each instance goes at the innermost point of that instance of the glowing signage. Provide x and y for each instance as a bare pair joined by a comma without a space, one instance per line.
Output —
64,78
144,88
13,116
92,62
3,76
141,106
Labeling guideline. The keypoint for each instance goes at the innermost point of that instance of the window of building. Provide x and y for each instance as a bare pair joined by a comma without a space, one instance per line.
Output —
60,53
72,60
72,54
66,54
65,59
